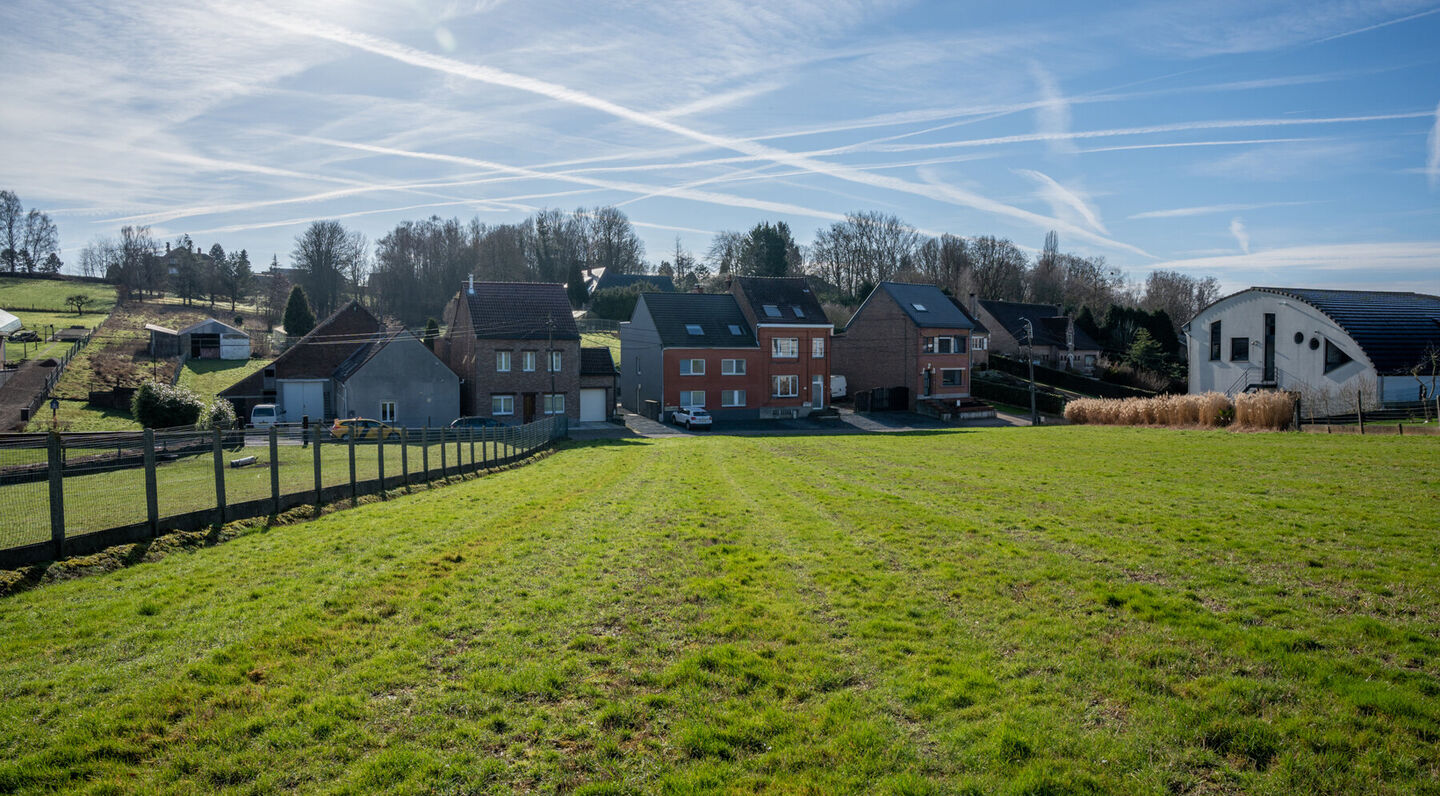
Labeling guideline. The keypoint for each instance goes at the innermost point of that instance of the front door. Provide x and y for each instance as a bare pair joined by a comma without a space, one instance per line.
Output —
1269,375
817,392
529,407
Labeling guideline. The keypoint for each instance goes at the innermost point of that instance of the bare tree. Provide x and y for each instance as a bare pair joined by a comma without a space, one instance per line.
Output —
999,269
12,225
614,245
328,254
39,239
1180,295
726,250
1046,284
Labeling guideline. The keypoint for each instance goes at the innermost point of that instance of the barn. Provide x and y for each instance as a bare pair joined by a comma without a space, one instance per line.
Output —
211,339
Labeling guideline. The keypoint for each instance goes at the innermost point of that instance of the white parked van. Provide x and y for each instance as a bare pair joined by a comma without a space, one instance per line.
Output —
263,416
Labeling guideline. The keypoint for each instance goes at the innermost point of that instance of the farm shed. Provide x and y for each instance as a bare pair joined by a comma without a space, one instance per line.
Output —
163,342
9,323
211,339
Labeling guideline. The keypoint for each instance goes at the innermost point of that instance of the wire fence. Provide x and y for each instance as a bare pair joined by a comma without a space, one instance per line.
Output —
68,494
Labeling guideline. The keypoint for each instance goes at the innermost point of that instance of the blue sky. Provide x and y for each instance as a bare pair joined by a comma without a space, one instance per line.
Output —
1262,143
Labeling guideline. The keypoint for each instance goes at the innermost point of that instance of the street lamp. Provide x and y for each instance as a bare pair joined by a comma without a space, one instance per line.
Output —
1030,360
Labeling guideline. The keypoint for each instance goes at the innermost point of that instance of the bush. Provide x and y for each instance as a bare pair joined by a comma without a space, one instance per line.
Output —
1211,410
158,405
1269,410
220,414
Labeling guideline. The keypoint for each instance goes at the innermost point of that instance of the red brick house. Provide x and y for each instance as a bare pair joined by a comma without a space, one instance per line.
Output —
911,336
794,338
516,350
691,349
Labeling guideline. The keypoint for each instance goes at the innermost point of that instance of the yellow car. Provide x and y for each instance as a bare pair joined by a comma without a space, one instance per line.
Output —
362,428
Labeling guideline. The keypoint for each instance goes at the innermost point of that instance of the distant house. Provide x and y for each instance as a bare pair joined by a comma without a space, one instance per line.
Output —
597,384
912,336
692,349
606,278
516,349
348,364
1056,341
211,339
1330,345
792,330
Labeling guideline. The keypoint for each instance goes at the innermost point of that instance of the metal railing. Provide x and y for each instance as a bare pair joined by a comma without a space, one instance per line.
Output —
71,494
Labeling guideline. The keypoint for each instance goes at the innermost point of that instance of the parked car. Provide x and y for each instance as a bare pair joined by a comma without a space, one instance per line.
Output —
838,387
25,336
475,422
692,416
264,416
363,428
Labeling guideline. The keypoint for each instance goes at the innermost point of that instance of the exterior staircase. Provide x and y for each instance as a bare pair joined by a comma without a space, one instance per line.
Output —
954,409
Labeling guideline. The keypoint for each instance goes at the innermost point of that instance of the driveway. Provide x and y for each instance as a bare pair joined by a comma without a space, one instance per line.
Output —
849,422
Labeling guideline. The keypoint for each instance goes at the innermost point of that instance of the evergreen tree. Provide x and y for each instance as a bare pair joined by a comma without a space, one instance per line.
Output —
1145,352
239,277
432,331
575,286
299,318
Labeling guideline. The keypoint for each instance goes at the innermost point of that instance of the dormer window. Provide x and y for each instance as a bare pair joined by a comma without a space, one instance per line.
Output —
694,328
772,310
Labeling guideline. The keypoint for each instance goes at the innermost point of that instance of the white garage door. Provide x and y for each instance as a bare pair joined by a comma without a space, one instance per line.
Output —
592,405
299,399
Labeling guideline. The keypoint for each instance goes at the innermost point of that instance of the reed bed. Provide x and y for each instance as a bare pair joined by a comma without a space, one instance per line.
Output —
1251,411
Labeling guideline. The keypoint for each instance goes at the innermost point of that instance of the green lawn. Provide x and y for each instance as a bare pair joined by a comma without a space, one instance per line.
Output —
50,294
209,376
603,339
1038,611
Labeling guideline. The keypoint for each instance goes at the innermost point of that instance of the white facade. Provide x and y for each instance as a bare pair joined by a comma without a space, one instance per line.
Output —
1279,342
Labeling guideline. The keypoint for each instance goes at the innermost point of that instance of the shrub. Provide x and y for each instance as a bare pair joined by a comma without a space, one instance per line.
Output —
1269,410
220,414
1210,410
157,405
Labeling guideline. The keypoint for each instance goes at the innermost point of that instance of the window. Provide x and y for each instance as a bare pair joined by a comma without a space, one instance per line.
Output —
693,328
387,411
735,330
817,347
919,307
785,347
980,344
527,361
692,397
787,386
502,361
952,377
1334,357
732,367
554,403
732,397
772,310
1239,349
944,345
692,367
799,313
1215,341
556,360
502,404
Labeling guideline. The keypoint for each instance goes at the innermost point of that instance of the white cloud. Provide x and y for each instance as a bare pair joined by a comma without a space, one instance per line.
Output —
1066,201
1416,256
1053,114
1242,235
1205,210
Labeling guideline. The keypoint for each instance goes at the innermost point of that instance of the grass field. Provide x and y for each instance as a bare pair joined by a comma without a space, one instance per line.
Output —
50,294
1046,611
209,376
599,339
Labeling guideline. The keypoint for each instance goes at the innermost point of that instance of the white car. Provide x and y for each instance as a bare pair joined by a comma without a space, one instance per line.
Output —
692,416
263,416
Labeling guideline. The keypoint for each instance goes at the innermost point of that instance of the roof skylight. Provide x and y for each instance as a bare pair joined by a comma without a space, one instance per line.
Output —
694,328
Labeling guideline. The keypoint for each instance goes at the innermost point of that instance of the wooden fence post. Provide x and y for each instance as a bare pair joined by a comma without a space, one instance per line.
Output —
354,495
275,470
219,473
380,462
57,494
443,474
319,483
152,492
1359,412
425,452
405,457
472,449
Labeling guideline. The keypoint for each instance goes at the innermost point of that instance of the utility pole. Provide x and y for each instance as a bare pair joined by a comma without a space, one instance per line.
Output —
550,355
1030,360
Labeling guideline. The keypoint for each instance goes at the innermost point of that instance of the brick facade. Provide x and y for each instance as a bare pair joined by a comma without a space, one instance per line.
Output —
883,348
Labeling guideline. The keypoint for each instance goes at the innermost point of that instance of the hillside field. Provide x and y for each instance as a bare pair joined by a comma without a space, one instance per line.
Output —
1028,611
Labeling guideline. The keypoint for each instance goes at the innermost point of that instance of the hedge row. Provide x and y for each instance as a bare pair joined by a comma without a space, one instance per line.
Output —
1016,396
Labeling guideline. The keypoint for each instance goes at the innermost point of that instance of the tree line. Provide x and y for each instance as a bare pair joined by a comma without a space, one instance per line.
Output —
29,240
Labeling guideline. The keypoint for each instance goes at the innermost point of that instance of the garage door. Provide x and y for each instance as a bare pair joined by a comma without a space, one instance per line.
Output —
592,405
299,399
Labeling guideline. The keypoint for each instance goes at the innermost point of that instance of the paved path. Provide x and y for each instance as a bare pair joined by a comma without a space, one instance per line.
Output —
849,422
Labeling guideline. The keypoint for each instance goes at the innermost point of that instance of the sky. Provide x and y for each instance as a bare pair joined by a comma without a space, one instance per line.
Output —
1293,144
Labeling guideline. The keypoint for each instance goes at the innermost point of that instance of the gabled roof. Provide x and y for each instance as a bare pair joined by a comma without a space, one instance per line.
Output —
520,311
976,326
926,306
1393,329
367,352
319,353
596,362
212,322
608,279
790,296
712,313
9,323
1046,319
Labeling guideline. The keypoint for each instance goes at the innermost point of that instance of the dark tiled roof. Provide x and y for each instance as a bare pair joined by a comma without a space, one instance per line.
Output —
786,294
611,279
714,313
939,312
1046,319
520,311
976,326
596,362
319,353
1394,329
365,353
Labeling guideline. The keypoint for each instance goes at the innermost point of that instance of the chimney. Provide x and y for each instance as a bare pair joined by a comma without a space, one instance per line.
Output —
974,306
472,284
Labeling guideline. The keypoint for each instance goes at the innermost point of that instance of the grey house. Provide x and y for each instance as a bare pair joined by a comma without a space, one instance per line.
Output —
395,379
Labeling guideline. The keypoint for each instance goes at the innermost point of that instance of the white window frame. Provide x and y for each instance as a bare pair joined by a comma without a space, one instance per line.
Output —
687,367
502,361
979,343
687,398
557,361
387,416
527,361
794,382
732,367
785,348
732,397
553,403
943,371
502,404
817,348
